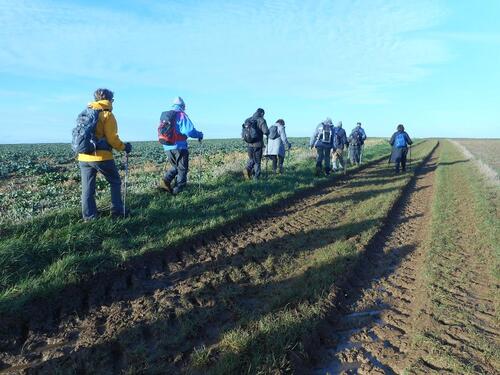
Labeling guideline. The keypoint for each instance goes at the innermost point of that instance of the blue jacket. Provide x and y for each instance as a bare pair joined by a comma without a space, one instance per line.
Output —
185,127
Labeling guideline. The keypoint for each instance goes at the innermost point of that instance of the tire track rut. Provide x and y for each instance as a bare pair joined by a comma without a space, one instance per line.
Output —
182,289
374,333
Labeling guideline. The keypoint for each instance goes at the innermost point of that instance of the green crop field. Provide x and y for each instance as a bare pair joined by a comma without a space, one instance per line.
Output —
373,271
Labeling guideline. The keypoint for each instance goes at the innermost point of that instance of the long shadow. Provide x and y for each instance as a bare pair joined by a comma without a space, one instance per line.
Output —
216,311
132,283
350,263
454,162
88,239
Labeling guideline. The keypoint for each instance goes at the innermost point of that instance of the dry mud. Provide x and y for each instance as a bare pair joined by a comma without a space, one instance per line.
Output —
111,321
377,323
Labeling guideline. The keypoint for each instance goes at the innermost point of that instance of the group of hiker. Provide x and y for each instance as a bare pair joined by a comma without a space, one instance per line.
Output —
96,135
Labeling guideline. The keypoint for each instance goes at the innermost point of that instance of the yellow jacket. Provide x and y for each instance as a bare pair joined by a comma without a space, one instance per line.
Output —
106,128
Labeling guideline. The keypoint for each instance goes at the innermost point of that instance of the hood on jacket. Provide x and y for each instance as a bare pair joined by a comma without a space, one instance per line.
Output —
102,104
259,113
178,107
178,101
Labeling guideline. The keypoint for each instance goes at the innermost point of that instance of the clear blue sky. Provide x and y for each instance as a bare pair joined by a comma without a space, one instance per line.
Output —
432,65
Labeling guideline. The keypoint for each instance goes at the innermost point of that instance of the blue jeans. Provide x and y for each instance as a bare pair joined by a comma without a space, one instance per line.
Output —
89,171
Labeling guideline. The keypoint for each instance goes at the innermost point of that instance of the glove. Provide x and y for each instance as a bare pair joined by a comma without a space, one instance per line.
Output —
128,148
200,137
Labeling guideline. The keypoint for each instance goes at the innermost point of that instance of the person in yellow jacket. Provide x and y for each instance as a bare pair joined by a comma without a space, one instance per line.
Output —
102,160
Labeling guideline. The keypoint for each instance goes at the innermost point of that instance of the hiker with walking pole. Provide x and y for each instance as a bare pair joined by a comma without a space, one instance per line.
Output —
174,130
277,144
400,141
253,131
356,142
94,138
322,141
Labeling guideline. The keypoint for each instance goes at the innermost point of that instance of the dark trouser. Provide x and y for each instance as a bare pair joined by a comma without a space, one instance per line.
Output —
323,154
277,160
89,171
179,159
401,160
355,153
254,160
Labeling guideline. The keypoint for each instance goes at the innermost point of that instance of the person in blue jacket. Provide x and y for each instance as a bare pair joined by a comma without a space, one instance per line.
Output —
400,141
175,178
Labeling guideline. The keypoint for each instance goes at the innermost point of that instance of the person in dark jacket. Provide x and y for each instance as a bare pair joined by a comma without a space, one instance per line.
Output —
277,145
322,140
175,178
256,147
339,143
356,141
400,141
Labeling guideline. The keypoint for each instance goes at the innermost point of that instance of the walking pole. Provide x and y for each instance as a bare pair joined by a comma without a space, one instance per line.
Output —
267,155
345,161
361,154
125,185
410,157
200,156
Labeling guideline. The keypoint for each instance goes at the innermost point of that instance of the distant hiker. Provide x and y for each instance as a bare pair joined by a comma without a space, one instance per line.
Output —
174,129
399,142
253,130
339,143
101,160
322,140
277,141
356,141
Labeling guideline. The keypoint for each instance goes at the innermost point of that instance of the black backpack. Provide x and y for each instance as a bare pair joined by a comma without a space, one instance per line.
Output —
273,132
83,139
250,132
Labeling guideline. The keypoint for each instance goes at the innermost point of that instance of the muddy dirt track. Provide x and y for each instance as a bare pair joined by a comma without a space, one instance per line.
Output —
373,335
164,309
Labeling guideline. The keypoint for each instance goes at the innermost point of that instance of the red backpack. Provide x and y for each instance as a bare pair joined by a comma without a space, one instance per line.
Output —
167,130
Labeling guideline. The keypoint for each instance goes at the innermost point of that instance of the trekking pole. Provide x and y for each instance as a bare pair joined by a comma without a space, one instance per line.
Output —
410,157
125,185
345,161
200,156
267,155
361,154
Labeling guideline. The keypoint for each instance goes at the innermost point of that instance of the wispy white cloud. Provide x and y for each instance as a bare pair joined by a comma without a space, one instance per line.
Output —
315,49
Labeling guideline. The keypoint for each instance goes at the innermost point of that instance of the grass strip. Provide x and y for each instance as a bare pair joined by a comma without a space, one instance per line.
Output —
462,270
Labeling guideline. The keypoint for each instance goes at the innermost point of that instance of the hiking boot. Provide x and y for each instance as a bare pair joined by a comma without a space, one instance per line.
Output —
247,174
120,214
176,190
318,171
165,185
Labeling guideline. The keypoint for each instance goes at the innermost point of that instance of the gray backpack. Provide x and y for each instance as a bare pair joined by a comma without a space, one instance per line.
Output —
273,132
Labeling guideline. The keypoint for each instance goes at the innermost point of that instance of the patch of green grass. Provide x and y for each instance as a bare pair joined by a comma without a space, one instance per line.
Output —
463,255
